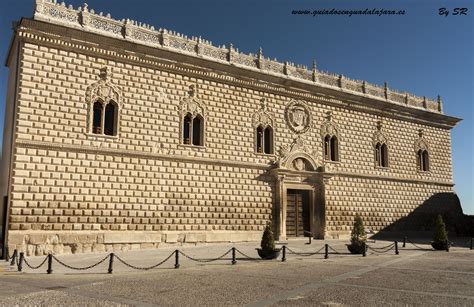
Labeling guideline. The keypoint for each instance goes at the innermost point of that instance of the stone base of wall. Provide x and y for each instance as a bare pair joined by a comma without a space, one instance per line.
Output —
37,243
337,235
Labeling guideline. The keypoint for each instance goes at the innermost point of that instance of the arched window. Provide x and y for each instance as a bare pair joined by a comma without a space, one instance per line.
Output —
187,123
268,140
422,150
384,155
97,117
327,148
110,121
104,105
426,161
264,140
334,149
192,115
193,130
259,143
331,148
423,160
381,155
197,130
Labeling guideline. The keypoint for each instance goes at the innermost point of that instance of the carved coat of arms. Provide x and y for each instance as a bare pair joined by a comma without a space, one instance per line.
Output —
298,117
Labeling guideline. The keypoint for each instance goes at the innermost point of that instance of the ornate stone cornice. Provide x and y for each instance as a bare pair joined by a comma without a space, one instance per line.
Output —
89,43
87,20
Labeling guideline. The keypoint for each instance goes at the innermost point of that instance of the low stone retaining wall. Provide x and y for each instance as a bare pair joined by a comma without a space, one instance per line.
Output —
36,243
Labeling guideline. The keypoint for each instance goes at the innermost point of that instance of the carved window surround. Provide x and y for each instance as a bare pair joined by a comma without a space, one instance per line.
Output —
104,92
263,120
194,107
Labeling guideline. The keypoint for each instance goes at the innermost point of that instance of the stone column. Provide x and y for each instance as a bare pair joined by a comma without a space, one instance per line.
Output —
279,212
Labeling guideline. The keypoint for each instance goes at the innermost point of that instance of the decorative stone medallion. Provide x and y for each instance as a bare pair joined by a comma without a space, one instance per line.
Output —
298,117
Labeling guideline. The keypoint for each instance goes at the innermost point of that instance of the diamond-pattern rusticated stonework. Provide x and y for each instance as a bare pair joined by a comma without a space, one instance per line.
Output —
69,189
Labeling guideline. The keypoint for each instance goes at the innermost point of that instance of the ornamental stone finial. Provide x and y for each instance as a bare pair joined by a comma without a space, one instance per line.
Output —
84,7
379,125
192,90
440,104
315,72
328,116
420,133
264,104
103,75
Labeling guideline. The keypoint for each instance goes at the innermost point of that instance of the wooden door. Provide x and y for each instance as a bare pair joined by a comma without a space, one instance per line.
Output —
297,213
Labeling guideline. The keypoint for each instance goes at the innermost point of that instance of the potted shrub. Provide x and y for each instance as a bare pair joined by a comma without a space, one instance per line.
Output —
267,248
358,237
440,237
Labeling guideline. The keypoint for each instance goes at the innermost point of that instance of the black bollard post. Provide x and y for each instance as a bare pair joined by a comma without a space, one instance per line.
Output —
364,248
176,259
404,241
396,248
447,245
20,262
50,264
111,263
472,239
326,251
7,257
15,253
233,256
283,257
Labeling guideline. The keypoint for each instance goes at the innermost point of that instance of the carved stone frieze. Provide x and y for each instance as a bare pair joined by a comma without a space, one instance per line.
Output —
298,155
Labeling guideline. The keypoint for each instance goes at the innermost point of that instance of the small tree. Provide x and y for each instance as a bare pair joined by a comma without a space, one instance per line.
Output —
440,235
268,242
358,233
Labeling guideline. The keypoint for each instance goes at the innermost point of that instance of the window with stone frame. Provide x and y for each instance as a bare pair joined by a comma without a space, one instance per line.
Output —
262,121
380,142
192,117
104,104
330,139
422,150
381,155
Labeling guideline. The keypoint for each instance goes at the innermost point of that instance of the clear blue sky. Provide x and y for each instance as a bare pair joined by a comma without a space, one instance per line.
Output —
420,52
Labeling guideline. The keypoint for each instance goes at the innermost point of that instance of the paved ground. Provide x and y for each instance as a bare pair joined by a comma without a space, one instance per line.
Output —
415,277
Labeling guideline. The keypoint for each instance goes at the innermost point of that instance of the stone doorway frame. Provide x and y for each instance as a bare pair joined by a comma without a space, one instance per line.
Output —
312,181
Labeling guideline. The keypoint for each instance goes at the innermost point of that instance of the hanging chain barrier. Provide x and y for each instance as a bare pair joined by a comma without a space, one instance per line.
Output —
142,268
33,267
19,259
247,256
384,249
205,260
305,254
405,239
80,268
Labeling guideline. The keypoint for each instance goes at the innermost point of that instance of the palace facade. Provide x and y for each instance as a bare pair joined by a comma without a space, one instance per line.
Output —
120,136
